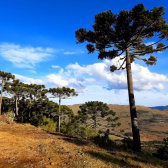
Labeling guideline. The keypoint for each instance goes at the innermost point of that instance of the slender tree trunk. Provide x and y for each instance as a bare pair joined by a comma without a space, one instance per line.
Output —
95,121
1,96
30,108
16,107
135,129
59,122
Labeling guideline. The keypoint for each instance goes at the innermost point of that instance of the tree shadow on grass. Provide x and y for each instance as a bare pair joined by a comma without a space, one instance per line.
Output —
72,139
119,159
147,159
108,158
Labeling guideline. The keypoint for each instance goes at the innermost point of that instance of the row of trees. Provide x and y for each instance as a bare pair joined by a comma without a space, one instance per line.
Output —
126,34
31,96
31,103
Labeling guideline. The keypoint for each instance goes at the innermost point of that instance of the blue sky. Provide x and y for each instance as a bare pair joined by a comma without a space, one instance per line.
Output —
38,45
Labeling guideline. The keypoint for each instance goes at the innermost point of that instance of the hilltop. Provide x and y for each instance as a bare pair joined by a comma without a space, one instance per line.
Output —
23,145
153,123
160,107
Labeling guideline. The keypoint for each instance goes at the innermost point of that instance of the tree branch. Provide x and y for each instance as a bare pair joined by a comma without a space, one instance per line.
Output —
151,37
122,64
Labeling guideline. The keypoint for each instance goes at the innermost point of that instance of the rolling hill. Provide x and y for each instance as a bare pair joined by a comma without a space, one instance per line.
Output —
153,123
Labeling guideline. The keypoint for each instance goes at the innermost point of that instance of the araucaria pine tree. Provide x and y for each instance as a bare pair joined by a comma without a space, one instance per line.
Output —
18,90
4,77
94,114
127,34
62,93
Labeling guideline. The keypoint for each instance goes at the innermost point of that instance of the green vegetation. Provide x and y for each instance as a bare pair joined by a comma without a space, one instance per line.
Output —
43,122
97,115
61,93
162,152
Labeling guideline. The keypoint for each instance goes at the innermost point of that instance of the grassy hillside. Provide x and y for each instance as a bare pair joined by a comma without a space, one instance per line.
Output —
23,145
153,123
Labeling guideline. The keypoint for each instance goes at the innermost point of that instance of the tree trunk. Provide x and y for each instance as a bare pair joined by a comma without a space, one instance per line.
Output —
135,129
1,96
16,107
59,115
95,121
30,109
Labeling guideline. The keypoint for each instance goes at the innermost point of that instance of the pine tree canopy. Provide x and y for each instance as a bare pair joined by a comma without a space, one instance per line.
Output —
114,33
63,92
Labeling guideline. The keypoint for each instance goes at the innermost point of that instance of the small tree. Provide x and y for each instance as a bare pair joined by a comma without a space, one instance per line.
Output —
62,93
18,90
127,32
4,77
92,113
38,91
113,120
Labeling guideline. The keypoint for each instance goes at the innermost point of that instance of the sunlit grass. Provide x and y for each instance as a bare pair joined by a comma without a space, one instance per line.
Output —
23,145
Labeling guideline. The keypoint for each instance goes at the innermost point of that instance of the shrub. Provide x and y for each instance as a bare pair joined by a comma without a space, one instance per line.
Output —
48,124
88,133
79,130
127,143
104,140
42,121
162,153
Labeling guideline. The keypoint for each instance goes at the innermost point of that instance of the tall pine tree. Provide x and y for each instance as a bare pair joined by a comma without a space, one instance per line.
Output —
62,93
4,77
127,33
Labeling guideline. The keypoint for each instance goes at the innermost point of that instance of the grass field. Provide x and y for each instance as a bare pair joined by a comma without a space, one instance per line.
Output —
25,146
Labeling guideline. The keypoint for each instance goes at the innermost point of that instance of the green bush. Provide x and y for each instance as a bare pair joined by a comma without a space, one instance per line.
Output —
48,124
37,119
127,143
88,133
104,139
68,128
162,153
78,130
42,121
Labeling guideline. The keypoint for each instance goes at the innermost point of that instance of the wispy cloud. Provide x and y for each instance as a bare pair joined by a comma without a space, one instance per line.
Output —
24,57
74,52
32,71
28,80
55,66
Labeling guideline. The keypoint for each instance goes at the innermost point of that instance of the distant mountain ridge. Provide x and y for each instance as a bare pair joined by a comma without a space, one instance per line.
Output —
159,107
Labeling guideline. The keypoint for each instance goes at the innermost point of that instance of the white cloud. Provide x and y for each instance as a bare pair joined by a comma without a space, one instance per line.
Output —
96,83
74,52
24,57
56,80
80,85
28,80
143,79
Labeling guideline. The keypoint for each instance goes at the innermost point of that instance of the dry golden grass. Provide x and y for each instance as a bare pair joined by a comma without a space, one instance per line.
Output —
25,146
